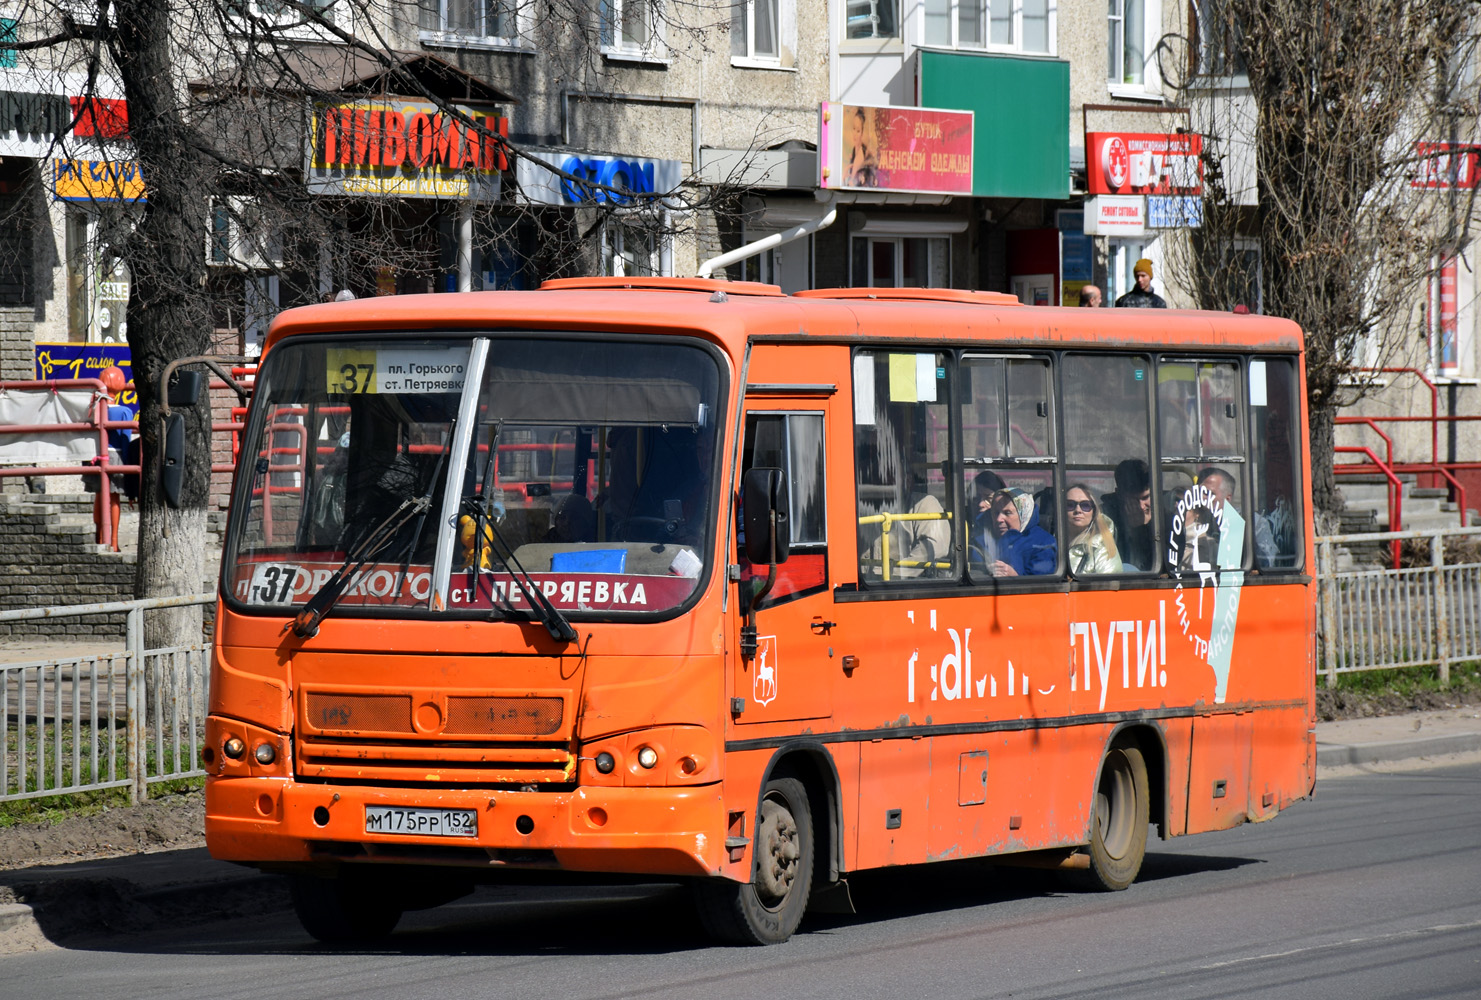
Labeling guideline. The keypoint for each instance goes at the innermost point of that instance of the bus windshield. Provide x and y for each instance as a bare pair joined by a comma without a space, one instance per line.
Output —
586,472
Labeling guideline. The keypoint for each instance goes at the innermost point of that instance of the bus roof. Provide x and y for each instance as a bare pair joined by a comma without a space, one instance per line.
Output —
731,312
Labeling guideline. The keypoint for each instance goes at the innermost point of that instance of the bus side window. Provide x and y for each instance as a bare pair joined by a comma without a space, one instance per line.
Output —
1108,451
1201,417
1006,408
792,442
1275,468
902,449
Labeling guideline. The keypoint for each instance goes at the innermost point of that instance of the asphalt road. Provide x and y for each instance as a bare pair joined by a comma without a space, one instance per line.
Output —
1371,890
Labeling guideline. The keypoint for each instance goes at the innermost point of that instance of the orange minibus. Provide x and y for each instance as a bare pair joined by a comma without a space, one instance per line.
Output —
691,580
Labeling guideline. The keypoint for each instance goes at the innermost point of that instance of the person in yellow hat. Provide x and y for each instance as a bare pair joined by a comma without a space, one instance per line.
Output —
1142,296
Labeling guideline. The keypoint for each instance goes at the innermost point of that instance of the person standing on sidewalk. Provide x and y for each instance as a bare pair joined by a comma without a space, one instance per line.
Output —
107,499
1142,296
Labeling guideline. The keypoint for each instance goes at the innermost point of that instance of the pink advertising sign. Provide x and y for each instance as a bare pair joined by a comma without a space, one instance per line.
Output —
924,150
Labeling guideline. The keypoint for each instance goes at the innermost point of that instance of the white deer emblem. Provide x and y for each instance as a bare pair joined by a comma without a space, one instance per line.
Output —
763,689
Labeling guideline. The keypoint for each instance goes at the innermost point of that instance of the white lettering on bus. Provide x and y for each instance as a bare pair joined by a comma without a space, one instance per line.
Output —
1086,643
953,677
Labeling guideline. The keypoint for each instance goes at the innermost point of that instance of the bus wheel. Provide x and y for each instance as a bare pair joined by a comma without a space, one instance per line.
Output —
767,909
343,910
1118,831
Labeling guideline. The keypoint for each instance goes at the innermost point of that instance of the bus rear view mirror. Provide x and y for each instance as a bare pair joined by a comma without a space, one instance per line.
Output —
185,388
172,459
768,537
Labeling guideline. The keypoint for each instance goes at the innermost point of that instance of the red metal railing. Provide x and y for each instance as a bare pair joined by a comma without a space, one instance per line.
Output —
98,424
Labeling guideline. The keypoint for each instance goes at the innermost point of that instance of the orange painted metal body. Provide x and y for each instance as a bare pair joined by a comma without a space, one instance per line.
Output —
973,721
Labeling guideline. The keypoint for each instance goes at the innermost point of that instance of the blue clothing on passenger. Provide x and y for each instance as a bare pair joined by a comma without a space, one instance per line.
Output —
1030,553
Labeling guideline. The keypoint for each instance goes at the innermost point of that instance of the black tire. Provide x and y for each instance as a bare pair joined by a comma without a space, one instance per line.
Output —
767,909
1118,826
344,910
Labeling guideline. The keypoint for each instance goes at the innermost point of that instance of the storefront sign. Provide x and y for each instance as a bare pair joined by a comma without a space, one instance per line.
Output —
59,361
1116,215
97,180
1445,165
624,173
1447,358
31,122
405,149
922,150
1143,163
1174,211
100,118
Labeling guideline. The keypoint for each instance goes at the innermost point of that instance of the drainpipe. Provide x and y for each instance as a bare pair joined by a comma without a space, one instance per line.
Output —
767,242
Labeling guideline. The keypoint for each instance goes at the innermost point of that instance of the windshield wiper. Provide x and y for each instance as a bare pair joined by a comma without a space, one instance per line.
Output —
306,623
555,623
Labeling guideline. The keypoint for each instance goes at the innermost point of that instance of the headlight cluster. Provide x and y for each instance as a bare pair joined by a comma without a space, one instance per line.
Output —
238,749
672,755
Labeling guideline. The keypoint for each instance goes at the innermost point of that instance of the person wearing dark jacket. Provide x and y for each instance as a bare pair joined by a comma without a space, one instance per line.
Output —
1024,548
1142,296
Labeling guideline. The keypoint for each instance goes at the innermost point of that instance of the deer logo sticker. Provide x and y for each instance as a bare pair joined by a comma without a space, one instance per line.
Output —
763,685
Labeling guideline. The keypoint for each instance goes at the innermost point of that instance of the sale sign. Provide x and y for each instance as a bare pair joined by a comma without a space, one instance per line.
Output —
1143,163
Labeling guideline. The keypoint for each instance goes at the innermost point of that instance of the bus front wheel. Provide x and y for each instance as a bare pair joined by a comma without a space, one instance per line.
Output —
343,910
1118,830
767,909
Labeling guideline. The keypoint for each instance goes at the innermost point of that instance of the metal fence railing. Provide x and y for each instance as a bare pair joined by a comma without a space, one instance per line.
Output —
119,719
1373,618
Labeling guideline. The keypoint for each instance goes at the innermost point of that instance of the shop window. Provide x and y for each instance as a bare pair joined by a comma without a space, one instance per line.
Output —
872,19
1107,497
792,442
902,447
754,31
1201,426
491,21
634,251
901,262
631,28
1275,470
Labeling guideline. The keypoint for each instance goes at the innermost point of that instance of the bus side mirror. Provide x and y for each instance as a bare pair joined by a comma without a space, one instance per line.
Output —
185,388
172,459
764,493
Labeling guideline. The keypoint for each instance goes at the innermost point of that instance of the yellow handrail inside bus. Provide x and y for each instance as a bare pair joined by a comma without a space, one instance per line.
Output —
888,520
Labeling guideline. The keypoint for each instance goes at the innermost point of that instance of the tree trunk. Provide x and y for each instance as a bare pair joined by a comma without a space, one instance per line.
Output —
1325,496
168,317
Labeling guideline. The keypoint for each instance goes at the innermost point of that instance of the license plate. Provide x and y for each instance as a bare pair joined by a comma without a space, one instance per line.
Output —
421,822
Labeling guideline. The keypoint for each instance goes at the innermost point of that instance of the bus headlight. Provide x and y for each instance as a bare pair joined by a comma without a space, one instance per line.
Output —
648,757
605,762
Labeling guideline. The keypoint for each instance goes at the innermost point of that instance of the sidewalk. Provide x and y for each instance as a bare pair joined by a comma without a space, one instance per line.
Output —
159,891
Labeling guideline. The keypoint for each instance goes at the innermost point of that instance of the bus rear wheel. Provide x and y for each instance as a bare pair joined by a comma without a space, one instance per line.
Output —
344,909
1118,830
767,909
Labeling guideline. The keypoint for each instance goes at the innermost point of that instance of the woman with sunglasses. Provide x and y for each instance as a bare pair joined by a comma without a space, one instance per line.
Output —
1092,544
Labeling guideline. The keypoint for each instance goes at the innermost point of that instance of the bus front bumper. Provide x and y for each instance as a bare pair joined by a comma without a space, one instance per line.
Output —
659,831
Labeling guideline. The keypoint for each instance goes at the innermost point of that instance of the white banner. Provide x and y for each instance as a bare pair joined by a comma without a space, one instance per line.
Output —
43,406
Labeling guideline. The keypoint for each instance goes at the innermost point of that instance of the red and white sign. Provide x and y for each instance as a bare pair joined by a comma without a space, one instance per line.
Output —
1445,165
1143,163
1116,215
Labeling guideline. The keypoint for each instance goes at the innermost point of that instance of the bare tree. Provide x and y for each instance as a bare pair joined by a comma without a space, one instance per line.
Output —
1315,160
220,97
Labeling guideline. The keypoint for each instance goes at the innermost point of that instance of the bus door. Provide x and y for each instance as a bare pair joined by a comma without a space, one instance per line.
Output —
789,677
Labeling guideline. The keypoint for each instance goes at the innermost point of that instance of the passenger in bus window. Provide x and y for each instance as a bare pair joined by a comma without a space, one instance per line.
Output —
982,539
1024,548
1092,548
1130,512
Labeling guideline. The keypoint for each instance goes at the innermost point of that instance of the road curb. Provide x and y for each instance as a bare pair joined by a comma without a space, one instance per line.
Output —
1339,754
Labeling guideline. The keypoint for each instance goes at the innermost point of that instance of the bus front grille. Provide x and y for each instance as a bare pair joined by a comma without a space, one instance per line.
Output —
481,764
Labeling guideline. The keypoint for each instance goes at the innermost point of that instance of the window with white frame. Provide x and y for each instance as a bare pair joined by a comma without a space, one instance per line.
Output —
872,19
630,28
487,20
755,33
281,12
1016,25
631,251
1126,55
1219,47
